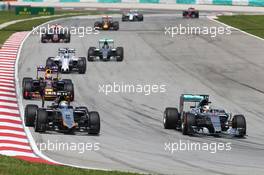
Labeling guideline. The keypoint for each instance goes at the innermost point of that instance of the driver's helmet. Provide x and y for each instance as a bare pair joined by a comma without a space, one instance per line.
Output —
206,108
66,55
63,104
48,74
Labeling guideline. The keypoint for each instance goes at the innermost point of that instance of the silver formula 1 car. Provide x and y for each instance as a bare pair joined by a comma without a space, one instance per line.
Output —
201,118
62,117
67,62
106,51
132,15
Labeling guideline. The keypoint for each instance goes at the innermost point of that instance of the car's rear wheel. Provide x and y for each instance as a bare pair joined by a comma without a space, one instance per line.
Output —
197,15
116,25
82,65
50,63
27,88
119,54
170,118
67,38
25,80
68,87
124,18
94,123
140,18
30,115
91,54
239,123
97,24
41,120
43,38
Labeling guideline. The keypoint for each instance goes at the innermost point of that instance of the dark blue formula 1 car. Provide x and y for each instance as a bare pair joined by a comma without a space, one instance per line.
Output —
61,116
201,118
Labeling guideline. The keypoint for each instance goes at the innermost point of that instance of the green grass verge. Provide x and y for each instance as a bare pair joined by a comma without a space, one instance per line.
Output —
253,24
29,24
12,166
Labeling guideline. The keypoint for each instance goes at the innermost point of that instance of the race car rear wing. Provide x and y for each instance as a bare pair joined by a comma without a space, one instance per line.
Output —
61,96
43,69
50,70
64,50
192,98
106,40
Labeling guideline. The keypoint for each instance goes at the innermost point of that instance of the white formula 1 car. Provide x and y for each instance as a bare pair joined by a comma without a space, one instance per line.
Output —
132,15
67,62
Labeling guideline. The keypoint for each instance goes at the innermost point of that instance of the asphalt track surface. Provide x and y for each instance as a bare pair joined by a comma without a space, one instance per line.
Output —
228,67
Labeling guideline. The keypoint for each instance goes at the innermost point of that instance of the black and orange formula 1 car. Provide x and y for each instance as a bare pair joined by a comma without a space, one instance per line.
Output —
107,23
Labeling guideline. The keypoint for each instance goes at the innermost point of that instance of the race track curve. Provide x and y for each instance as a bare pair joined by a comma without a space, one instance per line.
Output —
228,67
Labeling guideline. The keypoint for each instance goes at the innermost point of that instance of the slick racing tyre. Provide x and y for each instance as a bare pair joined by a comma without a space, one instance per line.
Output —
68,87
116,25
67,37
41,120
30,115
43,38
25,80
91,54
119,54
94,123
82,65
170,118
97,25
27,88
50,63
140,18
239,123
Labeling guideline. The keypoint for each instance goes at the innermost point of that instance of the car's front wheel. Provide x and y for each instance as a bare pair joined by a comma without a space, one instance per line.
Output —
41,120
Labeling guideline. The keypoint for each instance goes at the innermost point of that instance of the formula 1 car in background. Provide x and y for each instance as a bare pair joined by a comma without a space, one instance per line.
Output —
67,62
190,13
61,116
132,15
55,34
107,23
46,86
201,118
106,51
